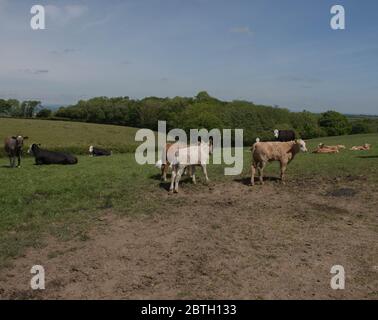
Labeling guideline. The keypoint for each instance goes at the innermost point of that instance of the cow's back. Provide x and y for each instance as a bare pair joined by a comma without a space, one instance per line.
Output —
269,151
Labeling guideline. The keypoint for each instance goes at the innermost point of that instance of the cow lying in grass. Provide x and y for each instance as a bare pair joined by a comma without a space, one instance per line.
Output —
325,150
49,157
365,147
264,152
188,158
97,152
13,148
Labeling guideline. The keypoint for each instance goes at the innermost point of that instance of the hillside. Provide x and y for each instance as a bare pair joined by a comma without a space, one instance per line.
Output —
69,136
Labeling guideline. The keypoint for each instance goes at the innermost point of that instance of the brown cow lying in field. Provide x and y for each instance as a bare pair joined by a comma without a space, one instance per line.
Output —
13,147
365,147
325,150
264,152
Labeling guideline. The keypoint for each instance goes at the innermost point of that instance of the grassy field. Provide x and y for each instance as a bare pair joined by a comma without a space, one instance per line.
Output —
62,201
74,137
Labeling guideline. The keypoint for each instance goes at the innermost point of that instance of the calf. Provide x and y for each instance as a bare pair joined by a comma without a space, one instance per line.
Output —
264,152
336,147
13,147
188,157
164,164
365,147
50,157
284,135
325,150
97,152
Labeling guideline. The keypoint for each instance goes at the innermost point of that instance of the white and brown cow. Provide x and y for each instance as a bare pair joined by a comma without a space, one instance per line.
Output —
265,152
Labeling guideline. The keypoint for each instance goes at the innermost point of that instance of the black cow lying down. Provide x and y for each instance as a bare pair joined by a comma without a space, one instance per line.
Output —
50,157
97,152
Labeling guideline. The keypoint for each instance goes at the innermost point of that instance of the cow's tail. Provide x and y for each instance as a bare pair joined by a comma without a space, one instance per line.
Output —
252,149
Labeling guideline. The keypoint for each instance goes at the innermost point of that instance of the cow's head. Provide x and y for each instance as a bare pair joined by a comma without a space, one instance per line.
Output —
33,148
19,141
91,149
302,145
276,133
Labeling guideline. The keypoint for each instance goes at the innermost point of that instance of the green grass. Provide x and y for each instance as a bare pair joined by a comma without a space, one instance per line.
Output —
64,201
73,137
343,164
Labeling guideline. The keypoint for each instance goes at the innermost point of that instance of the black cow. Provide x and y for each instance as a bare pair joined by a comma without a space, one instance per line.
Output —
13,147
97,152
50,157
284,135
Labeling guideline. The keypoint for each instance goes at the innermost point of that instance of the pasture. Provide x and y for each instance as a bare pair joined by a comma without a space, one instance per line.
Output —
113,220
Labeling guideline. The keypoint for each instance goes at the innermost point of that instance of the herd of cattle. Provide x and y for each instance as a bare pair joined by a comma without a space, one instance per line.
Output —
183,159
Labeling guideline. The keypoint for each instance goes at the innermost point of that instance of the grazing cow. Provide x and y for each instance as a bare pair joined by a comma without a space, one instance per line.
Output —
264,152
284,135
97,152
50,157
13,147
188,158
365,147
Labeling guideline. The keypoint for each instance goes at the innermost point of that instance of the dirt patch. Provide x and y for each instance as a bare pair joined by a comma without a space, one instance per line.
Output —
223,241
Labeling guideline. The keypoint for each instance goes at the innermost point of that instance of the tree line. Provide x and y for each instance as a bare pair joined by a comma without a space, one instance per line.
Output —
201,111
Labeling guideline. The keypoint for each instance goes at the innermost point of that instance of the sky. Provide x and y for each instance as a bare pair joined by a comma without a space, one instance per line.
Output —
274,52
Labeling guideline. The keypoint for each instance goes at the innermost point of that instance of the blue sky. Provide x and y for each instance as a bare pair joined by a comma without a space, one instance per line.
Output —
277,52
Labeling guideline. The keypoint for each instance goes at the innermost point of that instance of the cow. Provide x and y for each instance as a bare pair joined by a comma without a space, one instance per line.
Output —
50,157
169,150
284,135
326,150
13,148
97,152
164,164
337,147
264,152
365,147
188,158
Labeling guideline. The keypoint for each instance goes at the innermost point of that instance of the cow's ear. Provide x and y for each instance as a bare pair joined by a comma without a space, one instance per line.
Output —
15,138
26,138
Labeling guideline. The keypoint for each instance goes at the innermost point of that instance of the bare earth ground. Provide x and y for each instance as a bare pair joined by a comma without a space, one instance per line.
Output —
225,241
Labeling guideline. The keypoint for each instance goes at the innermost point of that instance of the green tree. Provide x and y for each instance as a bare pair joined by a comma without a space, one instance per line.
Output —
334,123
44,113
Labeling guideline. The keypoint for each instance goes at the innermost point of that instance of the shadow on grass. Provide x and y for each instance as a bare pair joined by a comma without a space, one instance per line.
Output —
247,180
368,157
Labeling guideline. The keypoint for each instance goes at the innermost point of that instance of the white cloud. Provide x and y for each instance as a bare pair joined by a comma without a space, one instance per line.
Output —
64,15
244,30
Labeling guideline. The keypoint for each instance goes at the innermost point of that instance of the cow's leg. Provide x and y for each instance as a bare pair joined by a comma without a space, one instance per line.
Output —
283,169
204,169
178,177
192,173
163,173
261,171
173,178
13,162
253,172
19,161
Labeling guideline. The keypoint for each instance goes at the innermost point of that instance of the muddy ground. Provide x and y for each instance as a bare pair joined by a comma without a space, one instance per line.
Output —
223,241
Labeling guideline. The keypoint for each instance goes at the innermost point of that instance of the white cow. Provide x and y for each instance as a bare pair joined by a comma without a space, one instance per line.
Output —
189,157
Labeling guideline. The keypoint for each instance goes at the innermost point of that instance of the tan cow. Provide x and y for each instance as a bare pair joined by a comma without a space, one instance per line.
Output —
325,150
365,147
264,152
336,147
